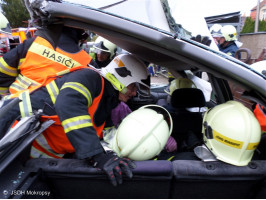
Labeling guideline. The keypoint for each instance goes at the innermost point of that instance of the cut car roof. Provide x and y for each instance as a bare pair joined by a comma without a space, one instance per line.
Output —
156,46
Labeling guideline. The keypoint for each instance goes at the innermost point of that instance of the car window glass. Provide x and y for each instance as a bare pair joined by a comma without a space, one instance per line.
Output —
237,92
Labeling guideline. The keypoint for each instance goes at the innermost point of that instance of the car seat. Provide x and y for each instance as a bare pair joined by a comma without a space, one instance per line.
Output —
187,125
76,179
218,180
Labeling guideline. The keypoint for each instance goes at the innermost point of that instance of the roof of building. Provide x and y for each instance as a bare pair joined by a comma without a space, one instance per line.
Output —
263,3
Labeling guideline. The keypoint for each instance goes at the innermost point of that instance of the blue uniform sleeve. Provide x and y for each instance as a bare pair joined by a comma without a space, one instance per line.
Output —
75,97
10,62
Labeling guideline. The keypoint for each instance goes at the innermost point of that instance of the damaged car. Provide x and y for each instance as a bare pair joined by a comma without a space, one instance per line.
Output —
215,77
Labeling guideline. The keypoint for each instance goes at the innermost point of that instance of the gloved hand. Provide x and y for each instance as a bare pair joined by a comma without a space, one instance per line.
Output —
202,39
114,166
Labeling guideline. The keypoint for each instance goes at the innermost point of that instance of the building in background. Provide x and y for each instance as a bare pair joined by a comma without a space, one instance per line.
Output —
262,10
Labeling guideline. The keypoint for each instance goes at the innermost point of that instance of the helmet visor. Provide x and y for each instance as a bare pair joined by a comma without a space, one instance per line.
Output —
100,46
144,87
146,82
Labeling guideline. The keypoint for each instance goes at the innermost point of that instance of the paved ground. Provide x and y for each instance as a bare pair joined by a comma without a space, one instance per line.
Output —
160,79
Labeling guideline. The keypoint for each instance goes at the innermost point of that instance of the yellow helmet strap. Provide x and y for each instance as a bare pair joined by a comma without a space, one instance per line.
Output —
118,85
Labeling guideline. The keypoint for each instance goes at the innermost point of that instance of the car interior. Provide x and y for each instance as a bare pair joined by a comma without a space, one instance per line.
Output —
68,178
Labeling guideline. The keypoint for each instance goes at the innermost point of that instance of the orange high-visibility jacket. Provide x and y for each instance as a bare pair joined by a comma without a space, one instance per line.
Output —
42,61
53,142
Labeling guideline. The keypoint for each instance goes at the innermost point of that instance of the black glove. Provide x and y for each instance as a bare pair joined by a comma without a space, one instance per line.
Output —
202,39
114,166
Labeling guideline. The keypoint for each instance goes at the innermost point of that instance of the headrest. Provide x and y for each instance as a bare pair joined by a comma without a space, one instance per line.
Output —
188,98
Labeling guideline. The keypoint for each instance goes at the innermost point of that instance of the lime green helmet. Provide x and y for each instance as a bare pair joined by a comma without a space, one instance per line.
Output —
143,133
102,44
180,83
229,33
231,132
4,25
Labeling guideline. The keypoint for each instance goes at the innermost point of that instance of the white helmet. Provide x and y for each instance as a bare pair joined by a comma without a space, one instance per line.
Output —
231,132
215,30
229,33
143,133
260,67
102,44
125,69
180,83
4,25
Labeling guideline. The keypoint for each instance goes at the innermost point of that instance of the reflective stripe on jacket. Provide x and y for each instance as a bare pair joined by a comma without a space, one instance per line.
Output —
39,59
54,142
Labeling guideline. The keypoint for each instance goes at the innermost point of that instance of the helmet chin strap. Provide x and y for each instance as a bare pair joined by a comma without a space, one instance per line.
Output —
119,86
111,78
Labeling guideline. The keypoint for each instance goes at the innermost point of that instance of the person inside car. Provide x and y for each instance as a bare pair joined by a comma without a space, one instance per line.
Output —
80,103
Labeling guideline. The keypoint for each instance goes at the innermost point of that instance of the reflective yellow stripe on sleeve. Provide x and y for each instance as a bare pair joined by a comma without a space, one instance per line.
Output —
75,123
6,69
17,87
20,62
25,104
53,91
80,88
22,83
3,90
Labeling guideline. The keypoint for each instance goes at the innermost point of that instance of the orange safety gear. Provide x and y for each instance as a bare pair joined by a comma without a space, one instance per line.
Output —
53,142
261,117
39,59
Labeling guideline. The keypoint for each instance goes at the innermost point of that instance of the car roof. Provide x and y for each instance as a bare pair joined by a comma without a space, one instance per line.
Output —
157,46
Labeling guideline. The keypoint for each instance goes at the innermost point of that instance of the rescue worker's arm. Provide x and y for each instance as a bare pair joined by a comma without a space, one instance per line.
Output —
9,64
72,103
75,97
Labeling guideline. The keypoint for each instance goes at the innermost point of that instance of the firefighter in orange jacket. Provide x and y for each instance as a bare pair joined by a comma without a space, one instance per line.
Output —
83,100
24,67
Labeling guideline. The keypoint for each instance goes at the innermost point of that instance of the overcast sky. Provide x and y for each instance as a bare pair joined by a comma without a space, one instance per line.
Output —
216,7
206,7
